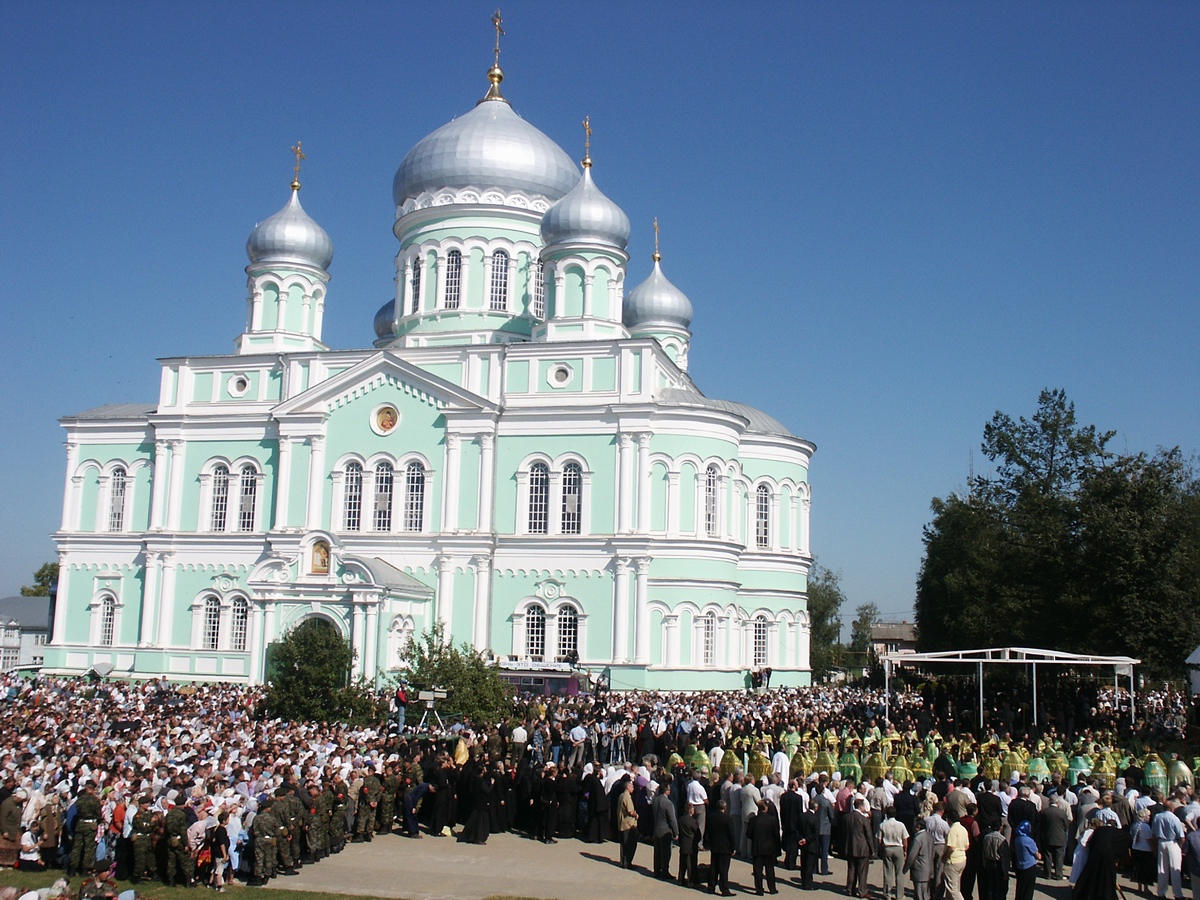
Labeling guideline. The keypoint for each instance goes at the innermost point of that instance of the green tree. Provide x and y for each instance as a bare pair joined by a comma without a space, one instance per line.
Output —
43,578
310,678
866,616
825,599
477,692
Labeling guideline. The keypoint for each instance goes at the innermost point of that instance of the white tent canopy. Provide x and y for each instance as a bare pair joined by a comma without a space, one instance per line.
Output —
1024,656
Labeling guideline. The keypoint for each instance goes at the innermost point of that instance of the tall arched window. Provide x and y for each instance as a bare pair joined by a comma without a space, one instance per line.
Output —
539,291
760,640
416,283
211,636
535,633
762,517
352,504
453,279
539,498
414,496
498,296
568,633
220,498
711,480
383,497
248,494
708,639
116,500
572,498
108,621
239,622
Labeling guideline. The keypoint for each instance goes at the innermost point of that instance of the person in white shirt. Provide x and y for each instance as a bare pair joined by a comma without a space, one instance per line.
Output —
781,765
697,796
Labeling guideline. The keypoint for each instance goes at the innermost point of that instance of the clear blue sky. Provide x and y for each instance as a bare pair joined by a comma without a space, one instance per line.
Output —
893,218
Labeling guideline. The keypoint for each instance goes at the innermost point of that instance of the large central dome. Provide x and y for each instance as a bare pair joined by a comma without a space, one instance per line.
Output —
490,148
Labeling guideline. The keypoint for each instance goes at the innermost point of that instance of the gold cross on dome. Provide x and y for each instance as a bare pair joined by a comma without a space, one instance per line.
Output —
299,156
587,140
657,255
498,23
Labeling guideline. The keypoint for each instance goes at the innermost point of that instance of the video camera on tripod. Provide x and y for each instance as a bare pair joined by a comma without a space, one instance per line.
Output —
430,697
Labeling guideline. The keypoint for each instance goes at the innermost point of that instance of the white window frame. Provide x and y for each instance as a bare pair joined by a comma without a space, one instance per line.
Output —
118,497
210,624
543,513
453,279
416,493
762,517
239,624
538,274
379,516
498,287
712,505
535,642
353,481
760,643
415,283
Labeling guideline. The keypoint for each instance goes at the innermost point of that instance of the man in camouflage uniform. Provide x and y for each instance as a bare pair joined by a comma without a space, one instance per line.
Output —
338,791
283,844
179,860
387,800
263,832
318,822
143,841
368,803
87,821
293,813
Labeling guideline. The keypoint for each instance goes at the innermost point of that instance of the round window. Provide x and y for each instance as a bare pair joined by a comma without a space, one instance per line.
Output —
238,385
560,376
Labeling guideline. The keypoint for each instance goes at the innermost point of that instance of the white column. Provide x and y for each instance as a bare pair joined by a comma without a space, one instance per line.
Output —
70,496
445,595
371,640
283,483
149,599
175,494
641,628
255,308
773,645
356,637
775,528
166,600
483,612
625,483
805,505
255,643
316,481
588,281
76,490
281,320
450,484
671,636
319,316
722,655
268,634
644,493
60,605
620,652
672,504
158,491
803,645
793,522
487,475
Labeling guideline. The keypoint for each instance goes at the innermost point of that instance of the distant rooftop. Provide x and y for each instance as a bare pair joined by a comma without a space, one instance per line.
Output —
30,613
117,411
894,631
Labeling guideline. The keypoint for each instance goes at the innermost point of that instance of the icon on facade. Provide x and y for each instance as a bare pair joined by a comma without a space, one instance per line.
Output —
386,418
320,558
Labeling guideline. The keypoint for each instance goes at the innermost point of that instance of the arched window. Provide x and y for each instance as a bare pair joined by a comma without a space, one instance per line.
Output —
708,639
108,621
416,283
568,634
539,498
453,279
383,497
352,505
116,500
248,492
539,291
220,498
498,297
535,633
762,517
414,497
711,480
572,498
760,640
239,622
211,636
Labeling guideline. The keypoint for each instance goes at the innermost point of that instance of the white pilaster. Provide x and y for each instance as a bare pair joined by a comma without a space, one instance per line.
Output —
644,497
166,601
283,484
357,641
641,629
480,637
316,481
255,643
371,640
625,483
805,505
60,605
450,485
722,655
70,495
672,504
773,645
487,476
150,599
175,495
588,282
803,644
268,635
671,639
620,652
445,595
255,307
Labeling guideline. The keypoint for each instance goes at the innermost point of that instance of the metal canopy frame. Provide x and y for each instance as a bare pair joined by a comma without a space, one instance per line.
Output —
1024,656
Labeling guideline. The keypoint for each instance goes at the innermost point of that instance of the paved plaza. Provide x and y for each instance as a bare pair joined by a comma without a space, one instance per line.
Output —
444,869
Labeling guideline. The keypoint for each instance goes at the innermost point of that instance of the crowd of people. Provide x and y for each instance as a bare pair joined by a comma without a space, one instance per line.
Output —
188,785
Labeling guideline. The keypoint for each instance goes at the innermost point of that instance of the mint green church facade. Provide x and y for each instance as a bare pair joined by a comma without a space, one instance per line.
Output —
518,454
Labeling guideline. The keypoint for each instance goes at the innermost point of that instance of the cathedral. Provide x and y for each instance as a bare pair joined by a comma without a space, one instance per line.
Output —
519,455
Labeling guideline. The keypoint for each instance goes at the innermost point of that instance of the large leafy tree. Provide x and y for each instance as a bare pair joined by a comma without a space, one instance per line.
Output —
477,692
309,678
825,600
1066,545
866,616
43,579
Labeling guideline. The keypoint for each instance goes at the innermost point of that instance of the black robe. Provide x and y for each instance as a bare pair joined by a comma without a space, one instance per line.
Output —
479,822
1107,847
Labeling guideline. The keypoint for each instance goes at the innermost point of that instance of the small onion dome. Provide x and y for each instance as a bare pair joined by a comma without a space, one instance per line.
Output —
657,302
290,236
385,320
491,147
585,215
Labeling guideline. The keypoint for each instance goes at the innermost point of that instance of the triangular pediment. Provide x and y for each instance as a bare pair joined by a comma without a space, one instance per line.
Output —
377,371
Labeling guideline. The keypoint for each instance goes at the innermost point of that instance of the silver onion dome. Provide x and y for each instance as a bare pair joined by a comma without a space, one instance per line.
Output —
491,147
657,302
585,215
385,320
290,236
